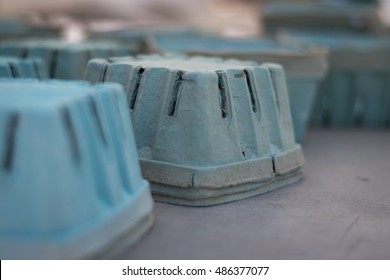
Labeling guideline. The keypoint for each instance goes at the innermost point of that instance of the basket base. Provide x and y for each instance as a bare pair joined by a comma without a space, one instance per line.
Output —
104,237
212,196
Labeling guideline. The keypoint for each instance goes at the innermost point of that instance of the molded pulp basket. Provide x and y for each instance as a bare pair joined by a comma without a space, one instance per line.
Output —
356,91
208,131
12,67
70,183
64,60
304,67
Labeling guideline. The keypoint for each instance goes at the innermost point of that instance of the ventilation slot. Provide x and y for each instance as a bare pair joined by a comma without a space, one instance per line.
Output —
273,164
275,87
67,121
36,69
23,53
222,93
251,90
359,101
10,139
53,64
175,93
14,70
359,110
104,73
98,122
138,78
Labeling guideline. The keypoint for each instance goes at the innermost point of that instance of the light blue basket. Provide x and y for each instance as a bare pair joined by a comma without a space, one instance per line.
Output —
70,183
12,67
356,92
304,67
66,61
208,131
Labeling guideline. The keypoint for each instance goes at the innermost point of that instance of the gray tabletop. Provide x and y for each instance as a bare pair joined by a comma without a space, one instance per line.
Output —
340,210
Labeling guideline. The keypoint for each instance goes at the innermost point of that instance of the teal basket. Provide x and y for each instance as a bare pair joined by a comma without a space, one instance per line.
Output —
208,131
65,61
356,92
70,183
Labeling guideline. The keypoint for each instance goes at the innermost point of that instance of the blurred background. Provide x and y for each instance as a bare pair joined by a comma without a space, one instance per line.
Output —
221,16
233,18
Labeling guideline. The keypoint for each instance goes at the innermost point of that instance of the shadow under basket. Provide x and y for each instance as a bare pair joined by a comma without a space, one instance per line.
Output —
208,131
71,185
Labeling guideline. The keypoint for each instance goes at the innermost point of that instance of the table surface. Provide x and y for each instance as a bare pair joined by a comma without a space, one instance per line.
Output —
340,210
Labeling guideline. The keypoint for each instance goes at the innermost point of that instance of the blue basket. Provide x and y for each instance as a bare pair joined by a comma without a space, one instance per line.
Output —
356,92
70,183
66,61
208,131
